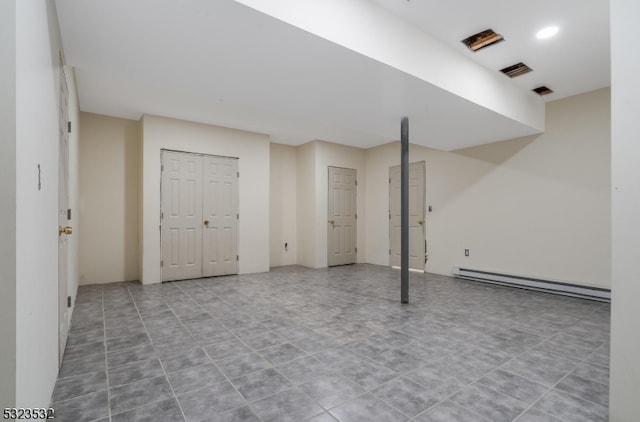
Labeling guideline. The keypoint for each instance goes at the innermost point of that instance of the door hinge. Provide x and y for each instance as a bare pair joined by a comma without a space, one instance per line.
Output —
356,216
389,215
238,216
68,301
238,175
389,180
356,250
162,167
161,215
69,127
69,214
389,251
237,257
356,183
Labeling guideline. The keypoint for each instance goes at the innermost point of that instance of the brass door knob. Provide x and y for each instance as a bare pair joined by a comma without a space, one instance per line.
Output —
332,222
64,230
420,222
206,222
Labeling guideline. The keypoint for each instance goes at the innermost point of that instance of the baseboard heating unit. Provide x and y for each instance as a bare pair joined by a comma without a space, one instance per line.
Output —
567,289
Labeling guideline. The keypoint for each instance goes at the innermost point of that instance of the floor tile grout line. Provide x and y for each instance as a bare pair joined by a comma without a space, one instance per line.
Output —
228,380
175,397
106,363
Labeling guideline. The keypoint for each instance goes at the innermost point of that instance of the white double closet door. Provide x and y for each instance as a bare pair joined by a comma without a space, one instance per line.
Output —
199,215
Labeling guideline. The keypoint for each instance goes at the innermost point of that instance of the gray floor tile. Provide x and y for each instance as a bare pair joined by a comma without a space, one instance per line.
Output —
322,417
241,365
406,396
535,415
84,365
185,359
331,390
124,357
593,372
226,349
366,408
286,406
139,393
258,385
162,411
488,403
195,378
71,387
440,383
83,408
513,385
281,353
449,412
240,414
303,369
211,400
127,342
135,371
347,335
368,374
585,389
571,409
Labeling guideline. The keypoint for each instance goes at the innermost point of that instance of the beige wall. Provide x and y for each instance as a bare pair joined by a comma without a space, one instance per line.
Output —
624,404
305,200
283,205
109,199
252,149
535,206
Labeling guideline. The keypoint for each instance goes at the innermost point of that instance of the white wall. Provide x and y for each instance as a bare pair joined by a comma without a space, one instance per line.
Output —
37,76
334,155
535,206
8,203
109,199
624,405
252,149
282,205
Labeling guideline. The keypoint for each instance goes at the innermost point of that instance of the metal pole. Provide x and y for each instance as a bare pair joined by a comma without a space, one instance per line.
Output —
404,210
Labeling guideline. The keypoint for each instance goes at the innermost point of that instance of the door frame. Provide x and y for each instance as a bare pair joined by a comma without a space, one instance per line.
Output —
162,151
421,218
63,213
355,203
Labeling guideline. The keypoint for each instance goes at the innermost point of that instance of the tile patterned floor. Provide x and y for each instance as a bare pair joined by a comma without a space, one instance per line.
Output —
298,344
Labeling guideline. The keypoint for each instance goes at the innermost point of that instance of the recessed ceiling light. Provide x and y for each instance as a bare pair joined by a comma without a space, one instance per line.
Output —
547,32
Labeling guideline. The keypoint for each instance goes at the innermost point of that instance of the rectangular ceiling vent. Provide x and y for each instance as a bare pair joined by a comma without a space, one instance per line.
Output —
542,90
515,70
482,39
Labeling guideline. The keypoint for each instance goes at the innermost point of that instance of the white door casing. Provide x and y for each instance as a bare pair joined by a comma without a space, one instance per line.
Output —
342,217
220,213
199,215
63,215
417,245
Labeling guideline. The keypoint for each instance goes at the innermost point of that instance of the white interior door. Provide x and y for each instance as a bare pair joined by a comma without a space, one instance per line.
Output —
417,245
181,216
63,216
220,202
199,215
342,217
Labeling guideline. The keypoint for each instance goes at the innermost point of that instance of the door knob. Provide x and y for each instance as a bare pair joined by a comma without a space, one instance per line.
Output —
64,230
332,222
206,222
420,222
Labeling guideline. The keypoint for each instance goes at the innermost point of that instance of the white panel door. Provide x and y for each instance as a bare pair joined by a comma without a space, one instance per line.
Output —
181,216
220,202
63,216
417,245
342,217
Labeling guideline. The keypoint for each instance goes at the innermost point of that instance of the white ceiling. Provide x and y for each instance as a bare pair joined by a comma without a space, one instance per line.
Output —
573,62
222,63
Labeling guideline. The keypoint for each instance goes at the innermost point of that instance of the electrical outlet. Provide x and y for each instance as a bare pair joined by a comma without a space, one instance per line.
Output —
466,252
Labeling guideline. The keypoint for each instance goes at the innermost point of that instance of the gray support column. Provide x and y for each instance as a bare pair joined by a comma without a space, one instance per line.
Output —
404,211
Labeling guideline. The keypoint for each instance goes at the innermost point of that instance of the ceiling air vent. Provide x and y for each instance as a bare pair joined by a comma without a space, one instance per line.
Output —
517,69
542,90
482,39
